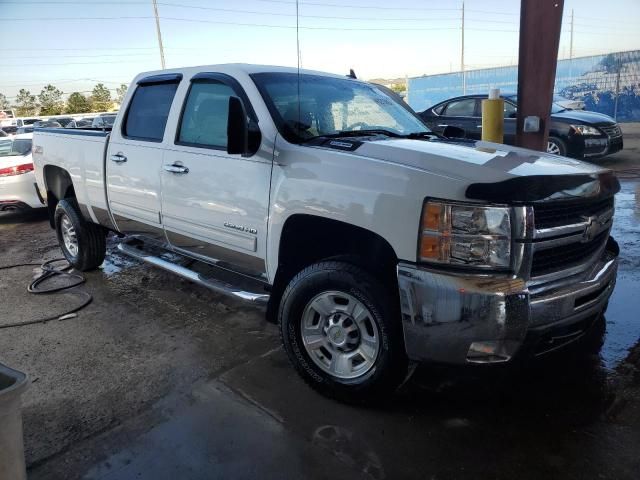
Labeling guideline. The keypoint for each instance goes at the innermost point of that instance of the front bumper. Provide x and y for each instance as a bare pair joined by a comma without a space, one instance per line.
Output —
457,319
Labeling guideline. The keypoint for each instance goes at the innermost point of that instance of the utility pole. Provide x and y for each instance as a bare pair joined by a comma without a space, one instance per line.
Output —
155,11
464,76
571,38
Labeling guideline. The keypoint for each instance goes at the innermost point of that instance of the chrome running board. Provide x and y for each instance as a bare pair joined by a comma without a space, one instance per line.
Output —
216,285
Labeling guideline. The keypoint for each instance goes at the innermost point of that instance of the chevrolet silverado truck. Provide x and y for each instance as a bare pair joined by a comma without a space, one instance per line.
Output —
374,243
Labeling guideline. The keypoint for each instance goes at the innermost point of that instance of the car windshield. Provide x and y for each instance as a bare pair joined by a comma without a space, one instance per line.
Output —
320,105
18,146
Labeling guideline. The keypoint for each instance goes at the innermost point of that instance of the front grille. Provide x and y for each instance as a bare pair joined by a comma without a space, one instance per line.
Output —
565,256
555,214
611,130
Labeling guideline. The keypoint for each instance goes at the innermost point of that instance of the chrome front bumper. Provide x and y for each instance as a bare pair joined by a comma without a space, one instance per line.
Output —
456,319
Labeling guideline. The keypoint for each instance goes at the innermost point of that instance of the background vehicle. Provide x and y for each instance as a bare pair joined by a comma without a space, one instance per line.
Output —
18,188
25,129
46,124
10,130
372,241
572,133
104,120
79,123
569,104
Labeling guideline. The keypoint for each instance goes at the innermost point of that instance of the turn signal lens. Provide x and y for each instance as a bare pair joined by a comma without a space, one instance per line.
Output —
465,235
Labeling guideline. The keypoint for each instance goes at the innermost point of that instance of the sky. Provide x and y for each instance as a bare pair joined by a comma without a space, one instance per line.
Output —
75,44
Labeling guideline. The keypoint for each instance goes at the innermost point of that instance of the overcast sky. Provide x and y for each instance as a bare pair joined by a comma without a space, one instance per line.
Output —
73,44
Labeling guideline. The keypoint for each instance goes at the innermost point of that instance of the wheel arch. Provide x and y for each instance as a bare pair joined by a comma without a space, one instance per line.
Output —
58,185
306,239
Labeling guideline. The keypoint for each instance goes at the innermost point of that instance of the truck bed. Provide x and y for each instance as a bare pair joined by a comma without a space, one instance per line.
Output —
81,152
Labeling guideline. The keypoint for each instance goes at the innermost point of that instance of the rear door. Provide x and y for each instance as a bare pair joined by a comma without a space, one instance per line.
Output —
214,204
463,113
134,157
510,112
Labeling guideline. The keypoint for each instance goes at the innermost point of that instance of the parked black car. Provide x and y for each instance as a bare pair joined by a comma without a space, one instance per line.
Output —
572,133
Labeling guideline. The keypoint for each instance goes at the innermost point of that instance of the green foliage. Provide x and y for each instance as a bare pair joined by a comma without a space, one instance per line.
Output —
51,101
78,103
4,103
100,98
26,104
121,91
398,87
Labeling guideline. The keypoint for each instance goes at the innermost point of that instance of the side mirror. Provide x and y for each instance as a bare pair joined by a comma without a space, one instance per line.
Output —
453,132
237,128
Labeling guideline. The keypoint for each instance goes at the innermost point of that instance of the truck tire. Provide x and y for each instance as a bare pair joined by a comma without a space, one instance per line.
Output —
341,330
83,244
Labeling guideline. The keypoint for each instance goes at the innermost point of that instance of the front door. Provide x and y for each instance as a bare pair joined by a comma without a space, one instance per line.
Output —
215,205
135,155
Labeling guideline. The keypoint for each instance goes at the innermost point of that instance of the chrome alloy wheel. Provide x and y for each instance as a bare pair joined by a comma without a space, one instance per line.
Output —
553,147
340,334
69,236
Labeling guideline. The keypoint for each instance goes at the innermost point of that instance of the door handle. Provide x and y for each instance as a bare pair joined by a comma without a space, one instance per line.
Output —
478,126
176,168
443,125
118,158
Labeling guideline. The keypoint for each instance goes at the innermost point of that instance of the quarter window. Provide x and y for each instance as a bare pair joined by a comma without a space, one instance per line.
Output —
148,111
461,108
204,120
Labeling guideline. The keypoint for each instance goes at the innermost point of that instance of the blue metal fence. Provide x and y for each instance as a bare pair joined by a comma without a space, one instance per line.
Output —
608,84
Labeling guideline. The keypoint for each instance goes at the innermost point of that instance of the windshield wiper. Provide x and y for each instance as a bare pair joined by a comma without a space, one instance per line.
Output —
358,133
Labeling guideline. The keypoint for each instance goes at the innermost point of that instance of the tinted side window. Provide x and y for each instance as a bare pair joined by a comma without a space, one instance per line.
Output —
204,119
461,108
509,110
148,111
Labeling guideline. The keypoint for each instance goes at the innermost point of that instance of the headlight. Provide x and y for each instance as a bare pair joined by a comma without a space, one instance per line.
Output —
465,235
585,130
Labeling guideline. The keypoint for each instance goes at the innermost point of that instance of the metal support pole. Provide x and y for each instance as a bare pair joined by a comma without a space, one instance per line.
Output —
540,24
155,11
464,76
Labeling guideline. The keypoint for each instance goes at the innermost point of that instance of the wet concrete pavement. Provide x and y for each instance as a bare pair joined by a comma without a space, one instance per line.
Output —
161,379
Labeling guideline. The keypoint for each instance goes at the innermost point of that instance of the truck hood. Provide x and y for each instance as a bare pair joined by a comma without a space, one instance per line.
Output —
507,173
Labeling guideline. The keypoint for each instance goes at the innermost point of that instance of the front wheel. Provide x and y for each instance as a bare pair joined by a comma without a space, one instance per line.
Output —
341,329
556,146
83,244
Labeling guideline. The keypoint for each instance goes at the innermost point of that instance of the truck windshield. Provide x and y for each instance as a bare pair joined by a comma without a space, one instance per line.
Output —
320,105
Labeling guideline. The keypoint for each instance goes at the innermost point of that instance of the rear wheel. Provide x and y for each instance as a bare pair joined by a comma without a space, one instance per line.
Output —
556,146
341,330
83,244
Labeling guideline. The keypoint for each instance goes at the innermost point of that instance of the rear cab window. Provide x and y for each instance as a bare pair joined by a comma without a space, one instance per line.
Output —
146,117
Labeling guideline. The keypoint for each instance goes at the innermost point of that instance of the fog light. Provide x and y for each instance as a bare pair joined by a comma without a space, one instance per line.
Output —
492,351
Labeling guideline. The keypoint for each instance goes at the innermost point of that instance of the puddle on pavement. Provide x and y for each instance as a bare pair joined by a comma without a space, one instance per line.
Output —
623,319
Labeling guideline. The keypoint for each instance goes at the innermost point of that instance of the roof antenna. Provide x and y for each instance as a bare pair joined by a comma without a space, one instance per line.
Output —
352,74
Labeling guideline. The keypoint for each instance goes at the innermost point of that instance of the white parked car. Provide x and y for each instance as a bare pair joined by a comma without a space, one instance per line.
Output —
568,103
18,190
372,241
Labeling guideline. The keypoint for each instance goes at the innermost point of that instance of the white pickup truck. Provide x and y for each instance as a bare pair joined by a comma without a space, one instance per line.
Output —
373,242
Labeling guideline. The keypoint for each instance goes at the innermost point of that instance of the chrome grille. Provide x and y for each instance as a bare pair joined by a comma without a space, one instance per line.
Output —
568,234
555,214
611,130
566,256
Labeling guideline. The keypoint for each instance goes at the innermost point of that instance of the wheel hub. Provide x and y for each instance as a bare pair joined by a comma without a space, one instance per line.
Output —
340,334
69,236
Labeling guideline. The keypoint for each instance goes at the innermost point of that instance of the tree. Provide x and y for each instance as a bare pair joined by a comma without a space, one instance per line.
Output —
26,104
78,103
4,103
51,101
100,98
121,91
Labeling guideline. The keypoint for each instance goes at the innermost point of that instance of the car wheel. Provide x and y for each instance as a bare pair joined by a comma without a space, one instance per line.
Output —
83,243
341,330
556,146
